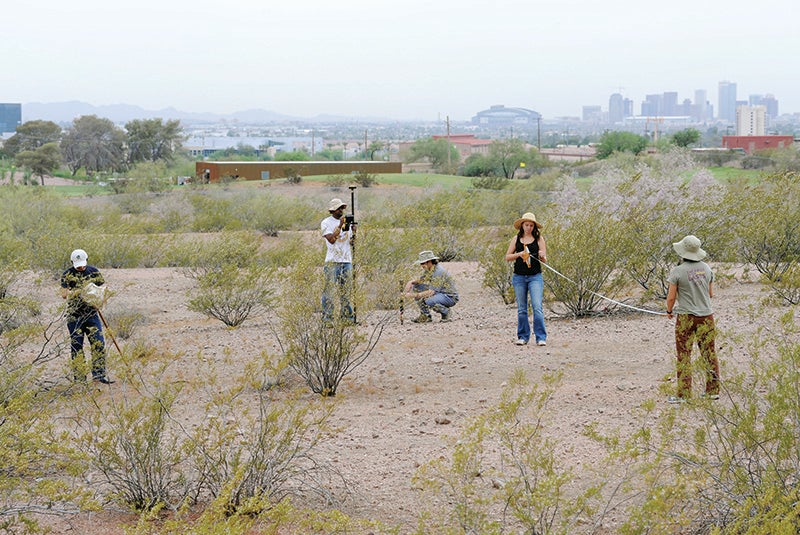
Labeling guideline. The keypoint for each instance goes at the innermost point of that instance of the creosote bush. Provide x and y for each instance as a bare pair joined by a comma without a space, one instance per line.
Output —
503,475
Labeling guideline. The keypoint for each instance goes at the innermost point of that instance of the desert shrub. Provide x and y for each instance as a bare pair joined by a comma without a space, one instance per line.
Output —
123,323
786,288
497,272
726,466
502,475
587,261
656,203
41,471
768,223
213,213
323,353
262,451
364,179
269,213
493,182
131,441
237,249
337,182
232,294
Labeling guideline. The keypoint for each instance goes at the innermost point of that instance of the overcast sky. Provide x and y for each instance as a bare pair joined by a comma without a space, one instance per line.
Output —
415,59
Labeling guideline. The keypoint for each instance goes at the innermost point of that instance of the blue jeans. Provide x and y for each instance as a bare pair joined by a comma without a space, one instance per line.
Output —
439,302
338,280
533,285
89,327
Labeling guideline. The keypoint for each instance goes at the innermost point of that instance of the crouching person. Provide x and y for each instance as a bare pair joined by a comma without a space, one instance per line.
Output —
434,290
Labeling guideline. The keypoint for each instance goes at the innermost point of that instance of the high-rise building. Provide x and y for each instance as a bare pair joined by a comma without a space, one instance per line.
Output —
700,111
669,104
751,120
771,103
651,107
616,108
727,101
10,117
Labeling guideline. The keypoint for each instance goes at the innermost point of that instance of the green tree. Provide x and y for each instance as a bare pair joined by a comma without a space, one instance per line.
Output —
611,142
434,151
479,165
508,155
41,160
94,144
32,135
686,137
153,139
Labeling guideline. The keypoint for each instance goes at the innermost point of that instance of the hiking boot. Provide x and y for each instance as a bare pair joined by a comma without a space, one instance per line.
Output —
445,317
709,396
521,342
675,400
422,318
104,380
541,343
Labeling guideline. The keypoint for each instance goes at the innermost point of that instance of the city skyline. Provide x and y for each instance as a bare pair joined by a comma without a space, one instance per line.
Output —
410,61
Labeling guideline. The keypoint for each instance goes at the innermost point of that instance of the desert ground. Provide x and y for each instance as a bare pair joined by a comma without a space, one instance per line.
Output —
423,382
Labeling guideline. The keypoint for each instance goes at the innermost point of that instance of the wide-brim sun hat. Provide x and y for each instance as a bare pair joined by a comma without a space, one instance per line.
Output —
79,258
527,216
335,204
689,248
426,256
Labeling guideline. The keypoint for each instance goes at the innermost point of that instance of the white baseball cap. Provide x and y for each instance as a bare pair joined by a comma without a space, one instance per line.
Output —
79,258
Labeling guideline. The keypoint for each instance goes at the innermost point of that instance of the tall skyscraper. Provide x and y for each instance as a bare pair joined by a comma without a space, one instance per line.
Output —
727,101
771,104
616,108
700,111
669,103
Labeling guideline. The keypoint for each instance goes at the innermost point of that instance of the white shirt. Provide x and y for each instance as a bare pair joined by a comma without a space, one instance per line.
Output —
339,251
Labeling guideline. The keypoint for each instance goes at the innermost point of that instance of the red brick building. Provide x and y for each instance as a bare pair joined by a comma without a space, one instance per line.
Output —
752,144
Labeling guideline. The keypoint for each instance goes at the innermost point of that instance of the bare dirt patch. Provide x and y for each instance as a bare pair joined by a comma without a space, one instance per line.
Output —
391,408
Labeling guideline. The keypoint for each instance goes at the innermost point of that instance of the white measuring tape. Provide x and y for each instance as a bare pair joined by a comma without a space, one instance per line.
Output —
602,296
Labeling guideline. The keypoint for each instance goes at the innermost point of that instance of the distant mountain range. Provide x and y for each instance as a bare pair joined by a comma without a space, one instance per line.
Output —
66,112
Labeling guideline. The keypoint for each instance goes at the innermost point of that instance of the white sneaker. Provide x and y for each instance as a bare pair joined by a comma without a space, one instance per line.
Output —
541,343
521,342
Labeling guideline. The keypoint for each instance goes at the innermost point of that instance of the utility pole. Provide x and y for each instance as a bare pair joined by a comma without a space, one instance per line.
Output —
539,133
447,122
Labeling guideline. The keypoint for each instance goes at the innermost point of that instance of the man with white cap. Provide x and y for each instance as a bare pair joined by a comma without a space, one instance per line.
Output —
83,319
338,270
689,297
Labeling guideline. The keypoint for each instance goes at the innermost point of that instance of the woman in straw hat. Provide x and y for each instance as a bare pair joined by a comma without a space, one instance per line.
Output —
526,250
689,297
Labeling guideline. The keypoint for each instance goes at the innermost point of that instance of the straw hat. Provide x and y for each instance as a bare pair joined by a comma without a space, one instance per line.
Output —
426,256
689,248
527,216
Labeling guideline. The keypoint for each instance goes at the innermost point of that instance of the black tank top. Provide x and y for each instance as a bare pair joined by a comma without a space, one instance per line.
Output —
520,267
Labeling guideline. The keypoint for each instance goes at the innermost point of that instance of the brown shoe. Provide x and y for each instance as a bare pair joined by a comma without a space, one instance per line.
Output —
422,318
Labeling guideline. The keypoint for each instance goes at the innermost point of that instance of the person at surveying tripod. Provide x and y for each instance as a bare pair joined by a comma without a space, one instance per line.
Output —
83,318
339,232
